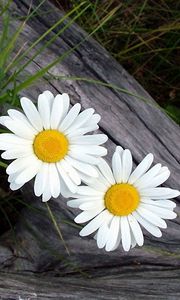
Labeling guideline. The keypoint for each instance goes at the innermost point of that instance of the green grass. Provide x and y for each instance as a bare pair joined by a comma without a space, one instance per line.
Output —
11,72
144,37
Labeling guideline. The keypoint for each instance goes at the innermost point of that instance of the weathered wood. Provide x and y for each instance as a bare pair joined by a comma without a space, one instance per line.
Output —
148,272
120,286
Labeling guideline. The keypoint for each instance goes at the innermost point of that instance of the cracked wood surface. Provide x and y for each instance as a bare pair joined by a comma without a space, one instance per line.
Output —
149,272
118,286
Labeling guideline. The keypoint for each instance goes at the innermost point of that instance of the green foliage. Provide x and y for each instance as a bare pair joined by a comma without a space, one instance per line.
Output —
173,112
144,37
10,73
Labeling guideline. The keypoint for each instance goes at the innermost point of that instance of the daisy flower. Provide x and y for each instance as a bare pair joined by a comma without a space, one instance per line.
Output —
49,143
119,202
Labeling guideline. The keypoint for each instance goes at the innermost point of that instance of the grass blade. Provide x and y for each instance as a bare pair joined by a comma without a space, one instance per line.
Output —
11,43
43,71
57,227
59,22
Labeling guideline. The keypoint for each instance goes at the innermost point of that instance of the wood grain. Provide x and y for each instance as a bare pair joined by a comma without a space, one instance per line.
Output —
36,261
119,286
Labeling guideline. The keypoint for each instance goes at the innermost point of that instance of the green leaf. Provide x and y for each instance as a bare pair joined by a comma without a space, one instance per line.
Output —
174,112
5,53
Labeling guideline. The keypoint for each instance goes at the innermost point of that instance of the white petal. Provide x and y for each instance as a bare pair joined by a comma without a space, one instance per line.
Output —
28,173
133,241
65,192
151,217
57,111
117,167
81,156
76,203
3,120
148,176
126,165
113,233
103,181
102,235
87,191
10,146
98,185
89,126
70,184
44,108
9,139
66,103
14,186
54,180
95,223
87,205
162,170
161,203
12,177
32,113
106,171
88,197
95,139
82,167
72,173
49,96
136,229
83,117
154,230
118,240
120,150
92,150
41,179
19,116
87,215
21,129
161,212
125,233
81,131
141,168
94,120
17,152
85,178
46,194
70,117
159,193
157,180
20,164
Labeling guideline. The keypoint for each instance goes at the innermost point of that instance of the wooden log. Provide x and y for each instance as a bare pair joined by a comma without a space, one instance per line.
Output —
121,286
37,252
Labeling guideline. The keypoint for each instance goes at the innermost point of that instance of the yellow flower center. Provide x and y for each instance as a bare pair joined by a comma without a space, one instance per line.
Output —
121,199
50,145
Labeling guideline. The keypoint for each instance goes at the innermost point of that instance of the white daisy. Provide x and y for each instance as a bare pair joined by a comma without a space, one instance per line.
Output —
48,143
121,201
